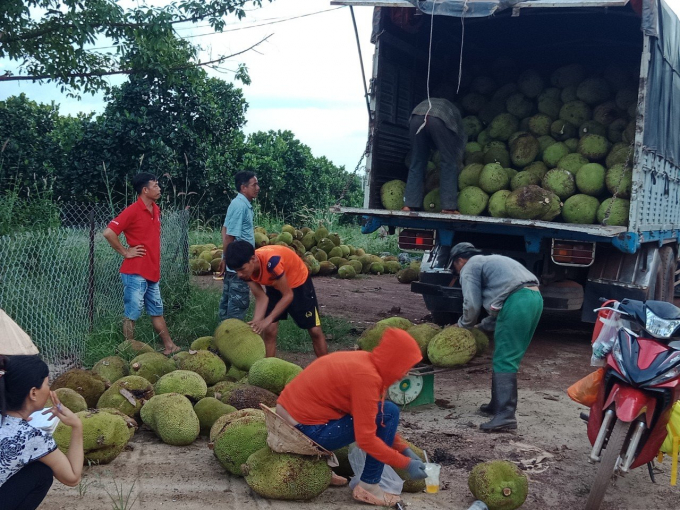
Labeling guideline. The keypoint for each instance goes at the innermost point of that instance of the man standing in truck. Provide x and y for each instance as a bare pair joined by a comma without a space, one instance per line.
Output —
510,295
435,123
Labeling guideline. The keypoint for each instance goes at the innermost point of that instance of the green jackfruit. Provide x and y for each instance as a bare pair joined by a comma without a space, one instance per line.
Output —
591,127
524,178
272,373
127,395
392,267
206,364
593,91
69,398
530,83
497,204
539,124
575,112
223,421
590,179
451,347
519,106
567,76
238,344
620,153
238,440
288,228
371,337
130,422
321,256
473,126
502,126
561,182
499,484
614,212
356,265
619,180
627,97
549,103
572,163
285,237
320,233
199,267
105,435
554,209
481,341
498,155
207,256
222,389
84,382
538,168
131,348
184,382
572,144
111,368
202,343
472,147
408,275
432,201
469,176
472,201
247,396
493,178
554,153
346,272
261,240
528,203
607,113
410,485
152,366
422,334
344,468
562,130
207,410
171,416
377,268
616,129
593,147
580,209
523,150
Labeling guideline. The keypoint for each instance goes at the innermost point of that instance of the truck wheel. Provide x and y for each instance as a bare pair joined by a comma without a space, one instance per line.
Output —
665,276
444,318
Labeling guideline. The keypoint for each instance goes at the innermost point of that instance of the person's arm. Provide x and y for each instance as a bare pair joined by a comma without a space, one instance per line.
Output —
471,284
286,299
66,468
127,253
261,301
226,241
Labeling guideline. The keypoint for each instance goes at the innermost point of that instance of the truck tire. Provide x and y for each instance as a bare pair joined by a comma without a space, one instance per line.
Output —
664,287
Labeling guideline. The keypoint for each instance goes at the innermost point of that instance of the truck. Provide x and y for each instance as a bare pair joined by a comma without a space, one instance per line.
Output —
577,264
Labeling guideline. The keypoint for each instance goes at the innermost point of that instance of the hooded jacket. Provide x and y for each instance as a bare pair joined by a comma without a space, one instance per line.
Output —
354,383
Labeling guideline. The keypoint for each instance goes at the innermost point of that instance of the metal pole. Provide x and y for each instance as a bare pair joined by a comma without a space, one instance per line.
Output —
90,285
361,61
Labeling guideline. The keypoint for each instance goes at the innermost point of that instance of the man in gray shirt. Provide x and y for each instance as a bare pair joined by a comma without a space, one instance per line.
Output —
238,226
510,295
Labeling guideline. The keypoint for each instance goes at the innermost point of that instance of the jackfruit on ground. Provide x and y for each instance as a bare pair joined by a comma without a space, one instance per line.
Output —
247,396
519,106
238,440
105,435
580,209
619,180
554,153
569,75
629,133
572,163
356,265
451,347
84,382
472,147
473,102
184,382
493,178
469,176
432,201
202,343
619,153
555,208
408,275
69,398
412,486
130,422
422,334
152,366
298,247
288,228
575,112
284,237
562,130
499,484
473,126
171,416
335,238
371,337
528,203
490,111
377,268
207,410
590,179
320,256
206,255
497,204
261,240
206,364
326,245
308,240
392,267
538,168
320,233
549,103
472,201
111,368
593,91
272,374
561,182
524,178
131,348
498,155
481,341
223,421
346,251
524,150
128,394
222,389
195,250
199,266
238,344
504,92
614,212
335,252
539,124
593,147
502,126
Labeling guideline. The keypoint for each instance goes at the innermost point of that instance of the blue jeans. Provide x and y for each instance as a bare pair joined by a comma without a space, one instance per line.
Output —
338,433
235,297
138,293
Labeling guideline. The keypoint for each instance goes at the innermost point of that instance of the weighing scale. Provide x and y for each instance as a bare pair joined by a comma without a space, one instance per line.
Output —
416,389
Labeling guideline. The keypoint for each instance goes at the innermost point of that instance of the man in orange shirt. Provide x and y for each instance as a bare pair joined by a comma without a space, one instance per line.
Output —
340,398
288,291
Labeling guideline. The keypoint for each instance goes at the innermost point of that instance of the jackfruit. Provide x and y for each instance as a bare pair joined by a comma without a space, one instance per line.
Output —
504,92
238,440
481,341
473,102
335,252
524,178
510,172
569,75
184,382
410,485
572,163
171,416
554,153
335,238
422,334
451,347
561,182
483,137
502,126
238,344
128,394
562,130
524,150
131,348
356,265
499,484
539,124
619,180
223,421
519,106
408,275
593,147
538,168
555,208
261,240
288,228
497,204
222,389
628,135
111,368
207,410
202,343
320,234
199,266
580,209
371,337
614,212
626,97
285,237
105,435
530,83
527,203
572,144
272,374
498,155
469,176
84,382
472,201
69,398
606,113
593,91
619,153
206,364
392,267
321,256
152,366
493,178
549,103
130,422
206,256
377,268
615,130
591,127
575,112
247,396
590,179
308,240
473,126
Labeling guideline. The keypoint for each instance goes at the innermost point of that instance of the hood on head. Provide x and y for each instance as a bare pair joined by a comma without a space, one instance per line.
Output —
395,355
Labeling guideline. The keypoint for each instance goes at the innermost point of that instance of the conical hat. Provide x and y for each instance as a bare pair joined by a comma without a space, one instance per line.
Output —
13,339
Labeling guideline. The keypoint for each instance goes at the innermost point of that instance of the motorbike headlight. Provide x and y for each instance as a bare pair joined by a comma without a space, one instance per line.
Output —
671,374
658,327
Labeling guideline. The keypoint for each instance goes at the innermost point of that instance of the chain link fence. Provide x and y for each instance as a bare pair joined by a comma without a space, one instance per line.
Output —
60,283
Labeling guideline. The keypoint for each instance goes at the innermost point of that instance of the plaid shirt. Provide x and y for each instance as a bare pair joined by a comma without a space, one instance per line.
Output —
444,110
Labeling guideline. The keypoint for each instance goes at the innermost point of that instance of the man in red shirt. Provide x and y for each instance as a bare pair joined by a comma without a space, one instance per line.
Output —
141,268
289,290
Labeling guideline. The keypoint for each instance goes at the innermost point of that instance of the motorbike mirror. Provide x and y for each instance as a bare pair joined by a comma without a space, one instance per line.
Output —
675,345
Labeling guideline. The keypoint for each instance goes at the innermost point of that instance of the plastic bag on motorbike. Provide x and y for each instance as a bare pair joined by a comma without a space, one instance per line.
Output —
672,427
390,481
584,391
609,322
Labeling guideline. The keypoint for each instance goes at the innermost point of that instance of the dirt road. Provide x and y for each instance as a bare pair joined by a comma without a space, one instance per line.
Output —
550,443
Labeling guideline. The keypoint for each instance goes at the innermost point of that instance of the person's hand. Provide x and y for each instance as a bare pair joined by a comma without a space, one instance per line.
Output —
258,326
411,454
59,410
222,267
135,251
416,470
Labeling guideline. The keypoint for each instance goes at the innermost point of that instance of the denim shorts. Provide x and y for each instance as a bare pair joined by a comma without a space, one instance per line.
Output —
138,293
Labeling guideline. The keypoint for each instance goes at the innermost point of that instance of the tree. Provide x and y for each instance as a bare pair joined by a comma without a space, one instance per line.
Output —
56,40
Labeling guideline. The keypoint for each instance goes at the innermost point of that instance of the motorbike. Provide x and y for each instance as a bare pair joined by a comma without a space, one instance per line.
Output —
627,423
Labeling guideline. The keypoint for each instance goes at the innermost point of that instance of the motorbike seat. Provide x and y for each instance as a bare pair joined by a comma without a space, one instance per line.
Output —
663,309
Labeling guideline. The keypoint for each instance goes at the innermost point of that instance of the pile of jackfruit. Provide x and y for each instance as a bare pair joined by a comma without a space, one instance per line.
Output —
541,147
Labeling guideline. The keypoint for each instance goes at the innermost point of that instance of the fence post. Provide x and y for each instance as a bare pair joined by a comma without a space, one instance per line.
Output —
90,283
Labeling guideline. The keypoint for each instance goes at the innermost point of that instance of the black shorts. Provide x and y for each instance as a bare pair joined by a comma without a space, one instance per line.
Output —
304,309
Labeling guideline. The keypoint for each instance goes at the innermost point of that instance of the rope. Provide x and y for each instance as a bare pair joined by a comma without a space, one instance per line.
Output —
462,41
429,66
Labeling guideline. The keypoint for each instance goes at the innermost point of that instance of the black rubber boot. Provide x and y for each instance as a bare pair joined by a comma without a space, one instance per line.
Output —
506,403
490,408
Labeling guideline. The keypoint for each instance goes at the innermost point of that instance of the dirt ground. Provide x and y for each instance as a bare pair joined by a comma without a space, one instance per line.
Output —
550,444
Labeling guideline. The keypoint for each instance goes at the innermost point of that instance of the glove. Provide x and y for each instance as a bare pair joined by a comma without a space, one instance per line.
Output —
411,454
416,470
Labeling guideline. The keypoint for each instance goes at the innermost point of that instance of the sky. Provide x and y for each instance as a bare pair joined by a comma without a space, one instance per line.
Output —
306,77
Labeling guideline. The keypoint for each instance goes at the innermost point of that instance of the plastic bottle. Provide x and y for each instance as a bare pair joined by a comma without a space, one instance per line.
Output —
478,505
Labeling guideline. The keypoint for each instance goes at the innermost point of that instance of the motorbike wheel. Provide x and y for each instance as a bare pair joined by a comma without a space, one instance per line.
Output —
607,464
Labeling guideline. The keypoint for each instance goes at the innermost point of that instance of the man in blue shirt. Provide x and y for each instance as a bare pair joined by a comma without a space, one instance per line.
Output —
238,226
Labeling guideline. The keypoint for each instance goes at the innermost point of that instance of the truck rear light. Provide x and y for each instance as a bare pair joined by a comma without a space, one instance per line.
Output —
570,253
411,239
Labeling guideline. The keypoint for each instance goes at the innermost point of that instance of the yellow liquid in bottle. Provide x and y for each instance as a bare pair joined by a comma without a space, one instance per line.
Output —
431,489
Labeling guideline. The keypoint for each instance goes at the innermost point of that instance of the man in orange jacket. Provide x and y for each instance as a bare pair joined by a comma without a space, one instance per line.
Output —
340,398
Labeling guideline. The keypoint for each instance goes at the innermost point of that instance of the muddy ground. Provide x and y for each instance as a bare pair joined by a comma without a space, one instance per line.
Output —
550,443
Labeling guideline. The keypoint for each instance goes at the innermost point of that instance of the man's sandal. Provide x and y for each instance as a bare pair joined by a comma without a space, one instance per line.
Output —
361,494
337,480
